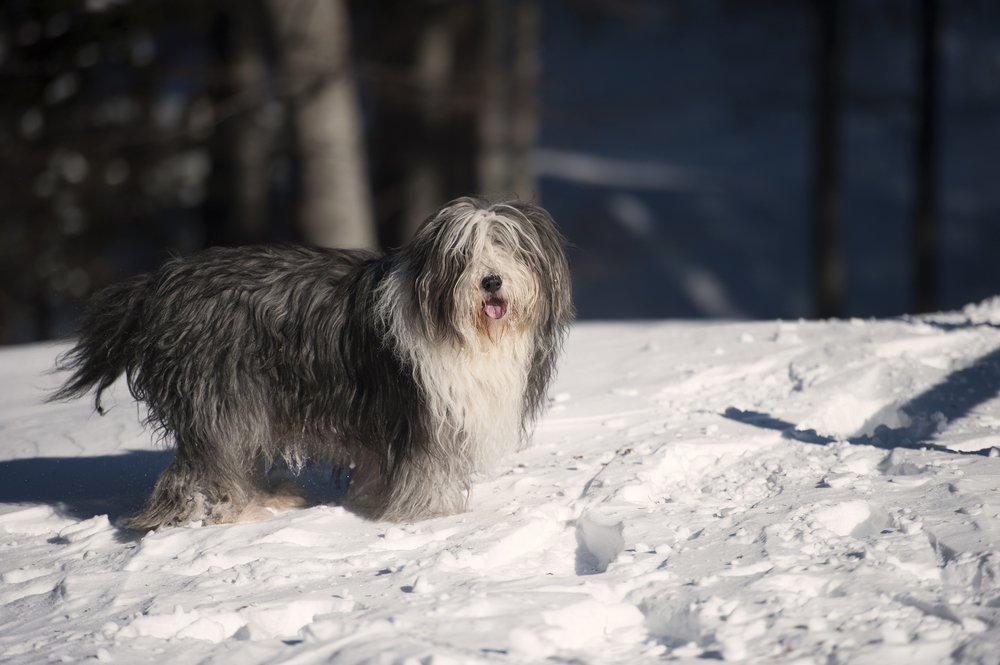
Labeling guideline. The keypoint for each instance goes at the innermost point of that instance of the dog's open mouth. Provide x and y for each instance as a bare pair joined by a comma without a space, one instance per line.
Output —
495,308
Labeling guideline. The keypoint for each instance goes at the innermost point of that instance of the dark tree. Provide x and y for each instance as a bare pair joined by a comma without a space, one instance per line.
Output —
828,262
925,227
243,143
452,89
508,113
316,77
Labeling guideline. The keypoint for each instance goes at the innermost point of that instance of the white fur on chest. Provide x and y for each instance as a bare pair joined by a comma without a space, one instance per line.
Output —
478,393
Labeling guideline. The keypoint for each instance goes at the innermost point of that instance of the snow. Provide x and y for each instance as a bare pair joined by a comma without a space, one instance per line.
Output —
788,492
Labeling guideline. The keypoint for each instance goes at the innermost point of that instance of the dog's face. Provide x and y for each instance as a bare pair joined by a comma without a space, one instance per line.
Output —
482,272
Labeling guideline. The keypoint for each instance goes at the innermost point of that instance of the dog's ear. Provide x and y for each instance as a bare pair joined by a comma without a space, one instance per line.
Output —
436,265
555,307
548,261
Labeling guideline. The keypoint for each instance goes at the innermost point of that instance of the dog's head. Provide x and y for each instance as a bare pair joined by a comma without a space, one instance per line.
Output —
480,271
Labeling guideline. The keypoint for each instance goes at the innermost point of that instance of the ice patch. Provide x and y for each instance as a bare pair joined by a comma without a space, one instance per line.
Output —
638,493
896,464
586,625
24,574
599,542
848,415
33,521
161,626
284,620
918,652
410,537
31,587
532,537
795,584
275,620
81,531
889,417
978,572
856,518
748,570
925,349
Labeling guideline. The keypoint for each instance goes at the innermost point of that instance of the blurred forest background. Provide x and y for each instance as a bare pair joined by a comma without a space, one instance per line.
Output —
706,158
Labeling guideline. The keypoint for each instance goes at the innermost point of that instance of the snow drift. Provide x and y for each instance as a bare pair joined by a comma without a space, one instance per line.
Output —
808,492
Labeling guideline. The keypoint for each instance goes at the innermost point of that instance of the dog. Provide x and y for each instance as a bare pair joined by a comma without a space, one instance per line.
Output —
414,370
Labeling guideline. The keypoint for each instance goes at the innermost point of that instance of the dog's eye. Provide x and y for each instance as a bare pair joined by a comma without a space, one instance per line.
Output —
492,283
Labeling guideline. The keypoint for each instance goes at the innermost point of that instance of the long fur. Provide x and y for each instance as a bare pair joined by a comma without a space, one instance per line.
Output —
415,369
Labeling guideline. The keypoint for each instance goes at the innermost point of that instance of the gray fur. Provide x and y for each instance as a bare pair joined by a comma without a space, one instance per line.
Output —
247,356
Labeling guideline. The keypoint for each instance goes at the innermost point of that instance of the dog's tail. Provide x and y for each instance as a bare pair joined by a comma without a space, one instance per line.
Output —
106,345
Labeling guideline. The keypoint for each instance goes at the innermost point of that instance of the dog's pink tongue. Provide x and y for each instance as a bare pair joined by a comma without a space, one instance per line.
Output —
495,308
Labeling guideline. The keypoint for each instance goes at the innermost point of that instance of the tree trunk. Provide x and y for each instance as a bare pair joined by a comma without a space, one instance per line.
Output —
237,204
527,71
424,64
425,186
312,38
828,263
493,163
508,108
925,231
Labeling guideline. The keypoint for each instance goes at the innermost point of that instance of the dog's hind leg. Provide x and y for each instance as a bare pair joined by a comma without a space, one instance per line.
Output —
214,490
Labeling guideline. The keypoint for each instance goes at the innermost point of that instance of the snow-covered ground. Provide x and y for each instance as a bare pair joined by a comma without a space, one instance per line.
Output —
781,492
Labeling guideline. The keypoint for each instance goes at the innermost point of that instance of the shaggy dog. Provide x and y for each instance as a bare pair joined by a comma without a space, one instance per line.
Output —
414,370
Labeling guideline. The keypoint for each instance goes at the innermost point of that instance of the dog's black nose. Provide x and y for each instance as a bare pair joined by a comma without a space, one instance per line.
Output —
492,283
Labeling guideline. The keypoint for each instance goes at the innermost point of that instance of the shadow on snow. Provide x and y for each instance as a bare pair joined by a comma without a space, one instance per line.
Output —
954,398
82,487
118,485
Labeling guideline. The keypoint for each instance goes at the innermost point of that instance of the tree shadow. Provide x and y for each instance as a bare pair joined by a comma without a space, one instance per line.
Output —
953,398
82,487
962,325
